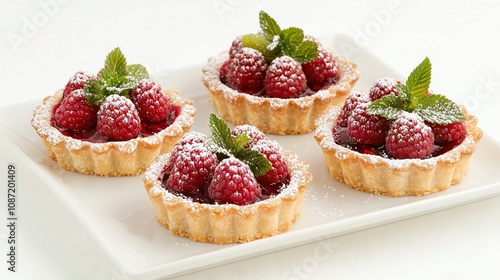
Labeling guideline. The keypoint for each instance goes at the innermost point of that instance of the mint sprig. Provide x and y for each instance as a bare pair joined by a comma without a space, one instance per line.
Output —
115,78
224,145
274,42
413,97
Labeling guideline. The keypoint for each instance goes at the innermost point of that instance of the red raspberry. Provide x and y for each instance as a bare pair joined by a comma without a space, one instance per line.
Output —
236,46
151,103
188,141
75,113
247,71
382,87
233,182
78,81
118,119
448,132
251,131
353,99
409,137
279,170
308,37
192,169
365,128
223,72
321,71
285,78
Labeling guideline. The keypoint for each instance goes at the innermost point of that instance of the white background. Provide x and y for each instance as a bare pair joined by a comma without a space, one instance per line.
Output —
43,42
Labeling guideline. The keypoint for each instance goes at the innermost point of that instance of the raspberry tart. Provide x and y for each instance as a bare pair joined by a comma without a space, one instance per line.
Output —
114,123
235,186
399,140
277,80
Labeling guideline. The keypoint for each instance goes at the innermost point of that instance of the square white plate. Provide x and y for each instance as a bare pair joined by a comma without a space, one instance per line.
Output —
118,214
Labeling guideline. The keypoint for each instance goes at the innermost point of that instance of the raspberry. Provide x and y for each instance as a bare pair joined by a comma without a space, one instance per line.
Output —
75,113
247,71
321,71
233,182
236,46
188,141
151,103
382,87
78,81
223,71
285,78
118,119
448,132
365,128
279,170
409,137
192,169
353,99
250,131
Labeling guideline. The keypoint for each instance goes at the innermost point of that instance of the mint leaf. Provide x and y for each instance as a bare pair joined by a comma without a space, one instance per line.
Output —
274,42
115,63
306,51
437,108
389,107
240,141
257,162
268,26
94,91
221,134
290,38
420,78
223,144
137,72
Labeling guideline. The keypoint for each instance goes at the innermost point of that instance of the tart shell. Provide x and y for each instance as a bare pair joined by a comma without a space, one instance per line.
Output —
395,177
227,223
111,158
276,115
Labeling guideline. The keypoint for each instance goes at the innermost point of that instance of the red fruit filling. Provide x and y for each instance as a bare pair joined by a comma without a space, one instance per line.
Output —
202,196
90,134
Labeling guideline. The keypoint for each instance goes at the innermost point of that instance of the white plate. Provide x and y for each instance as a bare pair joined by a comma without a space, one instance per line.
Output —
118,214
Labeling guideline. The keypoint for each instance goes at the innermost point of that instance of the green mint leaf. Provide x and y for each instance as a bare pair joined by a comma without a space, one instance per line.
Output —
221,133
257,162
240,141
420,78
223,144
290,39
437,108
292,44
137,72
389,107
268,26
95,91
306,51
115,64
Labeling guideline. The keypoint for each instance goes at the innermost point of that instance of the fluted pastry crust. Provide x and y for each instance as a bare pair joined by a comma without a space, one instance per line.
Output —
112,158
228,223
395,177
